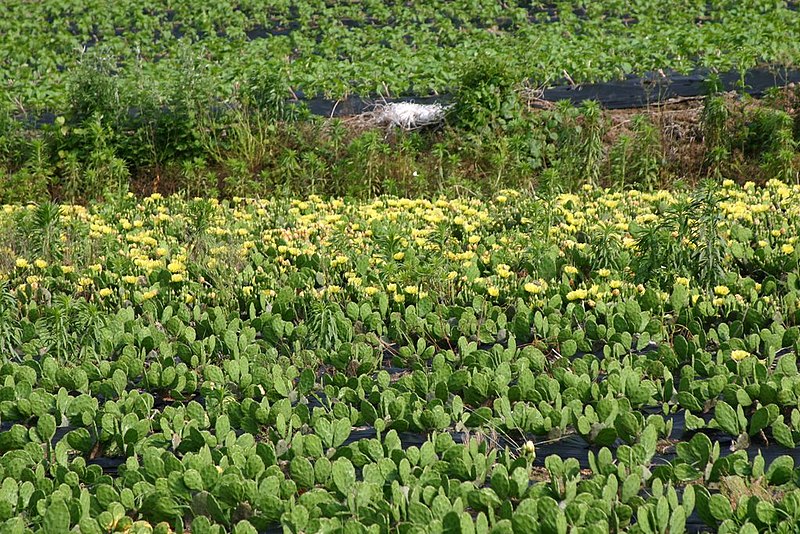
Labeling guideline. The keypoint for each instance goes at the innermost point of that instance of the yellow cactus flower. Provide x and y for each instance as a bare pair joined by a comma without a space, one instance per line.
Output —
739,355
533,289
578,294
147,295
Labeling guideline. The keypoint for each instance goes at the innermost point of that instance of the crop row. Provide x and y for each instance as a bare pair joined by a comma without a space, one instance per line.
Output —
382,47
402,364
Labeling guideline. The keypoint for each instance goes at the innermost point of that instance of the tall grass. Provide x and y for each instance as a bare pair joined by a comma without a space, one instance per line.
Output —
177,136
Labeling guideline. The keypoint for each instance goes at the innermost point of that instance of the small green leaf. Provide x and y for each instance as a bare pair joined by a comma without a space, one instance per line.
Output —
677,521
759,421
80,440
783,434
679,297
341,431
193,480
523,523
686,473
419,513
87,525
787,365
766,513
222,426
681,347
631,486
244,527
306,382
481,416
205,504
780,470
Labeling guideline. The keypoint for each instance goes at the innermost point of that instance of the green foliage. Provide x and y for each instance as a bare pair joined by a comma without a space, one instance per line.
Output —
248,365
580,134
380,47
486,97
204,104
714,121
43,231
95,89
28,178
686,241
780,156
635,159
590,146
14,149
267,93
97,171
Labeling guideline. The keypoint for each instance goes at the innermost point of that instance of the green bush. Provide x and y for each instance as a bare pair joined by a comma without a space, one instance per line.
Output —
486,96
31,180
143,126
267,92
14,145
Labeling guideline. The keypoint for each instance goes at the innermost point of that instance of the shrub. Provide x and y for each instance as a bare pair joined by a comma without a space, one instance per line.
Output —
486,96
267,92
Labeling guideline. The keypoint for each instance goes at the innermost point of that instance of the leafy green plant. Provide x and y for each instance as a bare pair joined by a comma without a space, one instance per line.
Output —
486,95
635,159
580,146
44,231
780,158
662,252
716,138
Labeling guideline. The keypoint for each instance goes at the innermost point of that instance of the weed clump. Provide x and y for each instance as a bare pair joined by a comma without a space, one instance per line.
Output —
486,96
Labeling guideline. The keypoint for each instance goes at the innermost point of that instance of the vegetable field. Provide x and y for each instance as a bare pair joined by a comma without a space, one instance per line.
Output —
585,362
562,299
371,47
250,97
